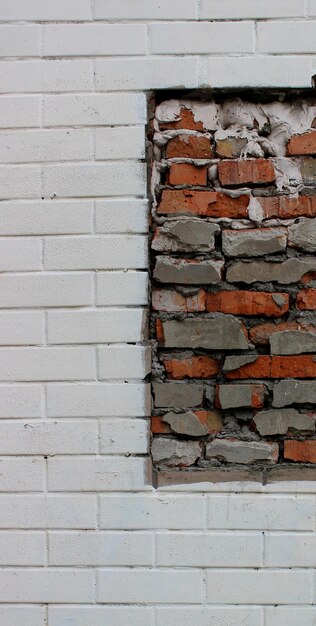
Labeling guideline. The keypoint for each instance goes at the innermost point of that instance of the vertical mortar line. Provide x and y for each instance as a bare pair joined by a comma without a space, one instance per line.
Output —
306,8
263,615
255,37
148,41
199,9
264,547
92,9
205,507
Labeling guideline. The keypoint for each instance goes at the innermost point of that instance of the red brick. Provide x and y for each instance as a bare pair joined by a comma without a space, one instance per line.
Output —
306,300
159,331
256,171
302,144
193,367
301,366
189,146
260,334
301,451
186,121
187,174
247,303
158,426
285,207
205,203
170,300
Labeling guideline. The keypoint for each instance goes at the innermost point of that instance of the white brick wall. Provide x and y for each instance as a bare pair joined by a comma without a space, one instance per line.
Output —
85,540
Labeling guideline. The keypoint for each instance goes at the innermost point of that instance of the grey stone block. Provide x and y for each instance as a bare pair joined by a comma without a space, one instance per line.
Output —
286,273
292,391
185,235
278,421
222,332
234,362
308,170
188,272
253,242
177,394
303,234
174,453
244,452
235,396
292,342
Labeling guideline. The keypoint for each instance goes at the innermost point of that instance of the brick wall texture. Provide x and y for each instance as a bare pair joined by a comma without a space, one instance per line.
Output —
86,539
233,297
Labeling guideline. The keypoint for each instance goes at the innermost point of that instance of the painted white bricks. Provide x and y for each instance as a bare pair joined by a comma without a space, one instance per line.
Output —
90,326
94,39
92,109
100,252
98,400
97,548
82,529
188,38
41,511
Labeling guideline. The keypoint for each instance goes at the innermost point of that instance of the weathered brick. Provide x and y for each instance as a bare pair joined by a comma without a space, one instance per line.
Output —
279,421
288,392
248,171
293,342
177,395
158,426
306,300
191,367
203,203
253,242
303,234
300,451
187,174
287,207
266,366
186,121
308,170
169,300
187,271
261,333
302,144
240,396
185,235
244,452
222,332
248,303
189,146
284,273
194,424
159,331
174,453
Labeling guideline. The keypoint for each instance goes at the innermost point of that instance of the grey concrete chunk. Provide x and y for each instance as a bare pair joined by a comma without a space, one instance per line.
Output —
288,392
303,234
174,453
279,421
230,147
188,272
177,395
185,424
244,452
292,342
222,332
234,362
235,396
253,242
308,170
286,273
187,235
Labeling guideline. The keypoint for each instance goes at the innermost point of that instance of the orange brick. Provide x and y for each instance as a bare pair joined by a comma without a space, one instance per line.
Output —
306,300
159,331
158,426
256,171
193,367
190,147
261,333
285,207
247,303
302,144
186,121
296,366
187,174
170,300
301,451
205,203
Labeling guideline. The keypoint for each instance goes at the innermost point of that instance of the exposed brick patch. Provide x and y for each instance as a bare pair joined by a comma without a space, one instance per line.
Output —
233,294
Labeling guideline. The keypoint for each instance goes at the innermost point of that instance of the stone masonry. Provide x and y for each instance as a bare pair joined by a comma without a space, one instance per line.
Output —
233,323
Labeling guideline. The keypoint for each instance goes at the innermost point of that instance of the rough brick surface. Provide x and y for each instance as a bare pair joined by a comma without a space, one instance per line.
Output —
233,298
